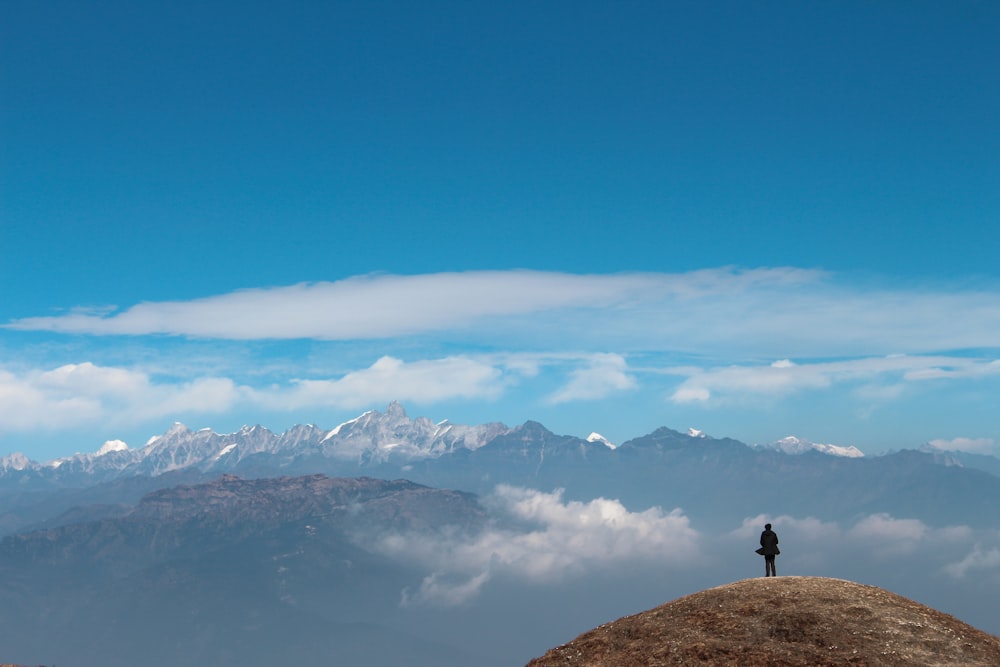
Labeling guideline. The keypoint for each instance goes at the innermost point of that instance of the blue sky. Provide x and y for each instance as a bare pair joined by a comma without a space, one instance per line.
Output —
755,219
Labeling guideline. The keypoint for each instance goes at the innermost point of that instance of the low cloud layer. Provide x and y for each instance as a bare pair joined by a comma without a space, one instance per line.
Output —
541,540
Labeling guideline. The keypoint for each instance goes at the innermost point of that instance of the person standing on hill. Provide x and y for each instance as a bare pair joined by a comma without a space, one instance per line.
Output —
769,549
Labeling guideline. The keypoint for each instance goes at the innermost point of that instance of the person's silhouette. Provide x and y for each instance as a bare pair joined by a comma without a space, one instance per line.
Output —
769,549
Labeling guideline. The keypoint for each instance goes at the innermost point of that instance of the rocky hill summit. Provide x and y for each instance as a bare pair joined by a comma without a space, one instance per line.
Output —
172,521
782,622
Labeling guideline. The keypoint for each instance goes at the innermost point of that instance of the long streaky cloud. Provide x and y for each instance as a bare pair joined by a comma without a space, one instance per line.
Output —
784,377
377,306
385,306
764,312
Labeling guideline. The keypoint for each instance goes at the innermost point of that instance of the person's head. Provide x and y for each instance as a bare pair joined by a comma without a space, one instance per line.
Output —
767,526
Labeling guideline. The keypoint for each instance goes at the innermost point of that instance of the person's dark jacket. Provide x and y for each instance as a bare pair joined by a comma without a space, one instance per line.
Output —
769,542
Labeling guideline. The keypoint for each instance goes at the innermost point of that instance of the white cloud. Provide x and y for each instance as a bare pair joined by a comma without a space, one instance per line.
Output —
390,379
955,369
878,545
689,394
377,306
545,541
88,378
889,537
807,529
776,379
435,589
875,538
85,393
884,377
72,395
490,331
604,374
980,558
784,311
973,445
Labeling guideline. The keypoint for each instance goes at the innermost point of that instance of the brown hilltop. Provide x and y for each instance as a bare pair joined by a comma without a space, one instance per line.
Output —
782,622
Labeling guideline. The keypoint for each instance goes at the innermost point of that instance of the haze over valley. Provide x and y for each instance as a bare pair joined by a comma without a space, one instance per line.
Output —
502,540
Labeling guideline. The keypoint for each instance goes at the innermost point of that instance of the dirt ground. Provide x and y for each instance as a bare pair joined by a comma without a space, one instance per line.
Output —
782,622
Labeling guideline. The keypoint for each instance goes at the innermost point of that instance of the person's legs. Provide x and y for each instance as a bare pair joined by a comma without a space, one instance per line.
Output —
769,566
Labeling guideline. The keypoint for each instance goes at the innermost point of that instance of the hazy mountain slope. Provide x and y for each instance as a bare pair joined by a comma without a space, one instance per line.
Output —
232,572
22,510
719,480
984,462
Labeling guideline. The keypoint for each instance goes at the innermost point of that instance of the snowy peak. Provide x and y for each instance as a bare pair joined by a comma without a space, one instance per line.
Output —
395,411
371,439
15,461
794,445
598,438
374,441
376,437
175,432
177,429
111,446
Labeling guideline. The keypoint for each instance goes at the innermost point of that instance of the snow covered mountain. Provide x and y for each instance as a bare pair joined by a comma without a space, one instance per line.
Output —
711,478
389,439
793,445
597,437
372,438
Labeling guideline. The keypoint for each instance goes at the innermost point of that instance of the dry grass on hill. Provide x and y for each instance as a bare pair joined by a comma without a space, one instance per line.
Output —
782,622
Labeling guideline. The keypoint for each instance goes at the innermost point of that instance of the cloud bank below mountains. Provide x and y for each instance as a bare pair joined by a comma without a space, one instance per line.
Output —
542,540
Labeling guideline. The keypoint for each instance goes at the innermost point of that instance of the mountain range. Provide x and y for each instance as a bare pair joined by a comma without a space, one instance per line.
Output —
389,540
714,480
371,440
